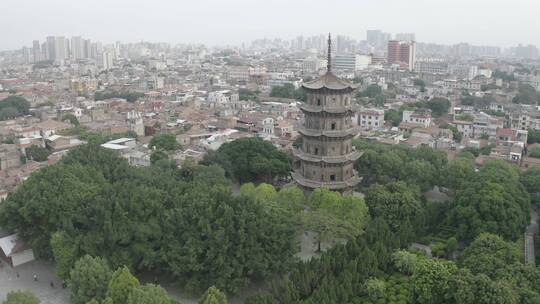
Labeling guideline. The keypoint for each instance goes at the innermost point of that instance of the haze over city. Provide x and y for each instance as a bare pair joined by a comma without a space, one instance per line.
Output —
269,152
481,22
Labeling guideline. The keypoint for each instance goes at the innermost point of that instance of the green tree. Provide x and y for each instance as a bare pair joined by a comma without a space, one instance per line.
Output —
89,279
393,116
527,95
398,203
535,152
122,283
71,118
489,254
165,142
213,296
371,91
494,201
457,173
432,281
531,181
13,106
250,159
405,262
455,132
37,153
21,297
65,253
333,216
158,156
149,294
438,106
375,288
533,136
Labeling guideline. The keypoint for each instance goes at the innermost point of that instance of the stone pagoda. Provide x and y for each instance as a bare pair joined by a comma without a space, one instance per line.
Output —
326,158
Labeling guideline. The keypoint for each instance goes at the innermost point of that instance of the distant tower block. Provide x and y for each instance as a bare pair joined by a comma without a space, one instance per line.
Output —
135,123
326,158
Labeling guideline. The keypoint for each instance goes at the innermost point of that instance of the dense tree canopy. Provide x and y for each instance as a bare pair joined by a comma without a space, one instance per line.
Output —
531,181
493,201
333,216
166,142
288,91
13,106
88,279
186,222
527,95
398,203
149,294
37,153
533,137
250,159
383,164
121,285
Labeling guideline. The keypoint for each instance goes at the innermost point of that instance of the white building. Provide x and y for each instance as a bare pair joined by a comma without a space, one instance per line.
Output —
371,119
465,128
135,122
351,62
268,126
312,65
107,60
419,117
77,47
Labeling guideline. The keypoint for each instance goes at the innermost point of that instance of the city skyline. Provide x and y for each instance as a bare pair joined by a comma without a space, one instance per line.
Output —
235,22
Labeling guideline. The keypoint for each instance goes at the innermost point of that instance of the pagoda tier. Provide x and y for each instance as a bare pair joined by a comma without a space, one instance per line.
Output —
307,108
330,159
335,186
350,132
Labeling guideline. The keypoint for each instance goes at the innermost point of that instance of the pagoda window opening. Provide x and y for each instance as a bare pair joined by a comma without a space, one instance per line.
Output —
332,177
318,101
316,151
333,126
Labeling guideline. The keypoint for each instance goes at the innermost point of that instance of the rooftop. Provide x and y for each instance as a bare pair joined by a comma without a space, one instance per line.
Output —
329,81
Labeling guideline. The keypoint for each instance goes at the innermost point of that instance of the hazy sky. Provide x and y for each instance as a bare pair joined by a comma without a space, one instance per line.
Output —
480,22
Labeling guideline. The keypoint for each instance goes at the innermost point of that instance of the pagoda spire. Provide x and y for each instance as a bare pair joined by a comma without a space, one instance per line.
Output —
329,64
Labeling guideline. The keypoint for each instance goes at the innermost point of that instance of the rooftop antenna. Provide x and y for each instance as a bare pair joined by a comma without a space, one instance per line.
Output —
329,65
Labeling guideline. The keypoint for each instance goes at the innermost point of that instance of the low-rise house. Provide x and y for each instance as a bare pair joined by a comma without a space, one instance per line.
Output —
420,117
59,143
15,251
51,127
10,156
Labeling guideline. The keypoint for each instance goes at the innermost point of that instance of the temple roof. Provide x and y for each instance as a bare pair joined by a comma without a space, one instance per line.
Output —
329,81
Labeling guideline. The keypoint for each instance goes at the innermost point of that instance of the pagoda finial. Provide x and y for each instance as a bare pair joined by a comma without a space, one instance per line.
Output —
329,64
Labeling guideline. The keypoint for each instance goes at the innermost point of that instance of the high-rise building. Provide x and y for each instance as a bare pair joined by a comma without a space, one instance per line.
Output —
50,50
326,158
87,48
394,49
36,50
77,47
27,54
402,53
108,60
409,37
60,49
377,38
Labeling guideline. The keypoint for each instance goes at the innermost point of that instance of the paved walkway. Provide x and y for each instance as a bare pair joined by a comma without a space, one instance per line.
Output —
25,281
